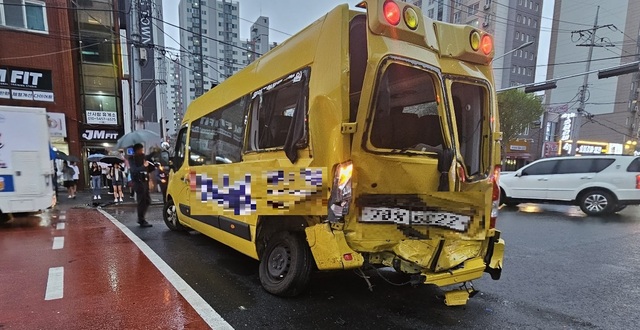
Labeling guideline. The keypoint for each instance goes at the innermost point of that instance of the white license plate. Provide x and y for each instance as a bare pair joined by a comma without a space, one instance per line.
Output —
449,220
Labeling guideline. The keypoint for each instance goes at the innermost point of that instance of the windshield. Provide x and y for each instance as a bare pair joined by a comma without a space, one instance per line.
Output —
406,111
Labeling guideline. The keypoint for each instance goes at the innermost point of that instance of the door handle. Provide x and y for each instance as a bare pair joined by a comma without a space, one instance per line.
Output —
543,179
586,177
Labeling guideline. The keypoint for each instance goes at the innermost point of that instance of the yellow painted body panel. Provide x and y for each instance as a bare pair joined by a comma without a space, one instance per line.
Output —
329,248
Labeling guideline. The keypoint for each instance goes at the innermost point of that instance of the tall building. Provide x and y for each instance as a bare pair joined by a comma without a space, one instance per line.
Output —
211,46
609,113
258,38
175,109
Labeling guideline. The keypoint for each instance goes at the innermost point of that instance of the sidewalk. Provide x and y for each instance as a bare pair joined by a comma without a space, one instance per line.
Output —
85,198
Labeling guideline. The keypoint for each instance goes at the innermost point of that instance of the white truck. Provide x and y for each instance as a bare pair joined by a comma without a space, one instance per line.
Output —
26,169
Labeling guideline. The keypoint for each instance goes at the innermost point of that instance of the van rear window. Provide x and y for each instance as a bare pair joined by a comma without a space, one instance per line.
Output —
406,112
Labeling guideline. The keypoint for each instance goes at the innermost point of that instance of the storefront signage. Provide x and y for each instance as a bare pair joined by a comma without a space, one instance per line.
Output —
57,124
517,148
26,84
100,134
102,117
550,149
566,126
585,148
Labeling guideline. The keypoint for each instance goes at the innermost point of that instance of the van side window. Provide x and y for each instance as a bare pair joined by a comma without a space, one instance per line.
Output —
541,168
217,138
278,113
180,149
406,112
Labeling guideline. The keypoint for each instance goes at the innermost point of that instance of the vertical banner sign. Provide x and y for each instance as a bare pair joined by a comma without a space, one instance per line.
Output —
147,67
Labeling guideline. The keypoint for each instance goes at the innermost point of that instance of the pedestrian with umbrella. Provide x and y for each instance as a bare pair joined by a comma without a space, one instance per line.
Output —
140,170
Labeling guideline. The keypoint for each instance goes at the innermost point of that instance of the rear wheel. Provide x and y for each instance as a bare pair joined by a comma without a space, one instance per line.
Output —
597,202
285,265
170,216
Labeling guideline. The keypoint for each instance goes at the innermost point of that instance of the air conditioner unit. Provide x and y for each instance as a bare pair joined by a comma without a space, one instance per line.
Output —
487,6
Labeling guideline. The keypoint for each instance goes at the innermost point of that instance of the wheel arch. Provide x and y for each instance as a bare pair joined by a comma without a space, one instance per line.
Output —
582,192
269,225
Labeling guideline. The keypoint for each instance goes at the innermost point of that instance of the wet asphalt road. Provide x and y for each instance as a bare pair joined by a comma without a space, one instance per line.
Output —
563,270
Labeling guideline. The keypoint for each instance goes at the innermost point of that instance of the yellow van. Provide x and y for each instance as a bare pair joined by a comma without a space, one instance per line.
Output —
368,139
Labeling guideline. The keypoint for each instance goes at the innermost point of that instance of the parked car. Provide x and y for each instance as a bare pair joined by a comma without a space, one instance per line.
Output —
600,185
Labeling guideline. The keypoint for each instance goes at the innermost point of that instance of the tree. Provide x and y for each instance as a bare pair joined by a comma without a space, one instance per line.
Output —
517,110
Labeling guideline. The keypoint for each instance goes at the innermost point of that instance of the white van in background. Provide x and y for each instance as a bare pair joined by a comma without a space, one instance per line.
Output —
26,170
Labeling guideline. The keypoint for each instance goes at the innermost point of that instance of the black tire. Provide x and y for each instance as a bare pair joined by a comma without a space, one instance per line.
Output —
4,218
506,200
597,202
170,216
285,264
619,208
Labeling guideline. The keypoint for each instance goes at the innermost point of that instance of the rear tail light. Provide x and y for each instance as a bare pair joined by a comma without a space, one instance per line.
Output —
638,181
340,200
461,173
495,196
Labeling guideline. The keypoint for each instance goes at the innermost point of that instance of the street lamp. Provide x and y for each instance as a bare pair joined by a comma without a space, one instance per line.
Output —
526,44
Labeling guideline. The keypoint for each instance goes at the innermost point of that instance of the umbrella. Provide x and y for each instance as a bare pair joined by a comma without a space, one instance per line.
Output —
61,155
95,157
112,160
146,137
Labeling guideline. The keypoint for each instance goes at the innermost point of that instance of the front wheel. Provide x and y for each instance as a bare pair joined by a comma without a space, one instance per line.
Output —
597,202
285,265
170,216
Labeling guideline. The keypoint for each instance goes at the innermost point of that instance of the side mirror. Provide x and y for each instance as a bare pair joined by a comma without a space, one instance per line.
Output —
518,174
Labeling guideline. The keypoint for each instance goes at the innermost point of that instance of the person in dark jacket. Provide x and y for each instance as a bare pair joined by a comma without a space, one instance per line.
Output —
140,169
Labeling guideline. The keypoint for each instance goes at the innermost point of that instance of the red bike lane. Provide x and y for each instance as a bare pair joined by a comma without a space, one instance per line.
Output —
85,274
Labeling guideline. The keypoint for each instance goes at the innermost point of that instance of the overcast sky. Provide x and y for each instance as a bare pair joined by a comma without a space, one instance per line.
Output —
286,17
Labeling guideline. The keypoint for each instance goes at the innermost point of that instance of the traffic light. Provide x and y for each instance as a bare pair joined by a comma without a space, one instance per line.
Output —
619,70
540,87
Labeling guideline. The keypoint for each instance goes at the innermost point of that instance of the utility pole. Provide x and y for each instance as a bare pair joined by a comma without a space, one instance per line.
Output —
634,101
577,120
136,58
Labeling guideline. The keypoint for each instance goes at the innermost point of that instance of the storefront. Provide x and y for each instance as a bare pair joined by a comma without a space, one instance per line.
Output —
517,155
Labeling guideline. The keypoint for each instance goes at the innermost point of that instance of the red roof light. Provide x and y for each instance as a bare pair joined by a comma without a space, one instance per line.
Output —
391,12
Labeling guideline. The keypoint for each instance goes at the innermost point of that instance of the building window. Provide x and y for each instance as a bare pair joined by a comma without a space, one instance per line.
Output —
537,6
473,9
24,14
535,23
519,19
517,35
430,13
456,17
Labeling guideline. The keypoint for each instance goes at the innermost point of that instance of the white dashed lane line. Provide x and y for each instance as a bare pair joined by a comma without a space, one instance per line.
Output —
55,284
60,225
58,243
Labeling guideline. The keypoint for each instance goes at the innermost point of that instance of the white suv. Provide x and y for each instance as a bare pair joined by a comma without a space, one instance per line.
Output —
598,184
